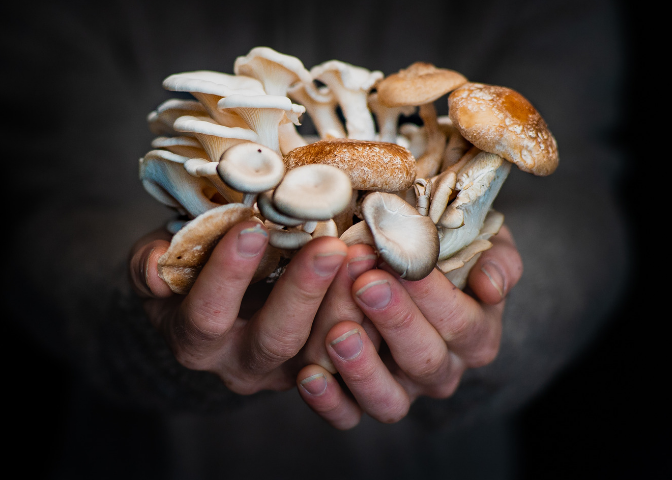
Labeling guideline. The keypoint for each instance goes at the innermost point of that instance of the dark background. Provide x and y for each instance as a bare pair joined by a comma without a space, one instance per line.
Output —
607,414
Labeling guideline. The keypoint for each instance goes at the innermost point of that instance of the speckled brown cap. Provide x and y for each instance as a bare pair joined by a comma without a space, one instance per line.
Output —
418,84
501,121
379,166
191,247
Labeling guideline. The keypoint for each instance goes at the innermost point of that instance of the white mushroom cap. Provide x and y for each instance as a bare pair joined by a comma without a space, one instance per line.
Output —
406,240
181,145
351,86
251,168
161,120
263,114
321,105
276,71
209,87
163,175
268,210
214,137
313,192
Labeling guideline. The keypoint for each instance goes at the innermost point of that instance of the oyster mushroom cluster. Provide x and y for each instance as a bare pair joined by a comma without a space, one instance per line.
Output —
421,195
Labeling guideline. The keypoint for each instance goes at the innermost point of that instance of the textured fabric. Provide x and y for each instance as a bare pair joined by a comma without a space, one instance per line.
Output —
80,81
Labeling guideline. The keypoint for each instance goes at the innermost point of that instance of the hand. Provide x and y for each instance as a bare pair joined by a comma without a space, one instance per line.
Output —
432,333
205,328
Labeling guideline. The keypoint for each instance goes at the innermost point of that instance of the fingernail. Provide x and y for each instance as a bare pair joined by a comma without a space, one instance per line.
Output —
376,294
315,384
349,345
252,241
495,275
145,267
359,265
326,264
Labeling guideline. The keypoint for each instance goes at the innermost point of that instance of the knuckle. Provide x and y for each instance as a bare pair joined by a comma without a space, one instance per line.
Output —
273,348
430,368
402,321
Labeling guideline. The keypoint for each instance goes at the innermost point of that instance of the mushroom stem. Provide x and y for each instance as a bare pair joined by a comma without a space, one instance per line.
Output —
423,191
249,199
430,161
309,227
455,149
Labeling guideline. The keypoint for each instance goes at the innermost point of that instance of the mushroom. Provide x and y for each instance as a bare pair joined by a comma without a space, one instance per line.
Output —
263,114
250,168
209,87
214,137
421,84
288,137
378,166
417,138
191,247
406,240
276,71
321,106
181,145
163,175
161,120
479,183
351,86
387,117
500,120
457,267
313,192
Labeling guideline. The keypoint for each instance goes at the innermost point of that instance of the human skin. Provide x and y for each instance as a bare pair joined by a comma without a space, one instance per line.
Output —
432,331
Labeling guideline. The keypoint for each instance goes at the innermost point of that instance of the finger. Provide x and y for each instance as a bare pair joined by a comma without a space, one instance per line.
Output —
322,392
281,327
211,307
143,269
497,270
371,383
470,329
338,304
415,345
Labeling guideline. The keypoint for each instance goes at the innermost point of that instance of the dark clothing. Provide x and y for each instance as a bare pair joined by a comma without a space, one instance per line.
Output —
80,81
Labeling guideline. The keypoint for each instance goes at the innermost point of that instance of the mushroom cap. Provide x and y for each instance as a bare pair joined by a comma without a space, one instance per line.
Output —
352,77
313,192
407,241
377,166
251,168
213,83
275,70
500,120
418,84
191,247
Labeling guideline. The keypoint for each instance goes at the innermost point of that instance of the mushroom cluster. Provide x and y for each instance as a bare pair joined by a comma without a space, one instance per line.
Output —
421,195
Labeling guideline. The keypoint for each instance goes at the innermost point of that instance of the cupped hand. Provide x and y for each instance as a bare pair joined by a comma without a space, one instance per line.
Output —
432,333
206,329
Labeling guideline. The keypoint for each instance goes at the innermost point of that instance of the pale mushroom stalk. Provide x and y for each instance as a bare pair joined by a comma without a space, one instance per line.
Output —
351,86
200,167
276,71
321,106
479,187
215,138
455,149
429,163
387,118
289,138
423,191
442,189
417,138
263,114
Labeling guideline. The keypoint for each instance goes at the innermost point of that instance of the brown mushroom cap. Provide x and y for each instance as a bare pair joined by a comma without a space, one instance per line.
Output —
379,166
418,84
191,247
500,120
